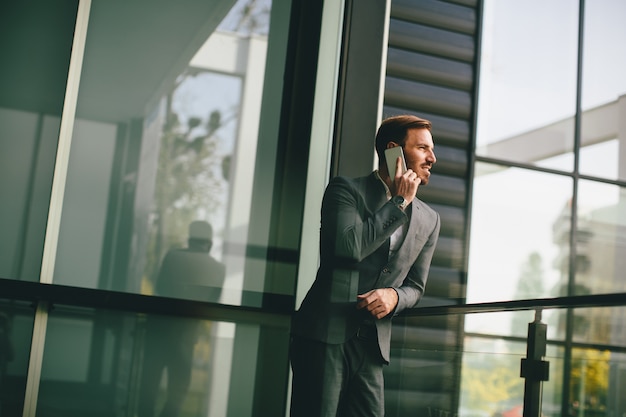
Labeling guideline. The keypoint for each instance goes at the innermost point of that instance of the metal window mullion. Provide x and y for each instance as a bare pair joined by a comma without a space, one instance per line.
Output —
569,320
65,141
56,204
36,356
383,71
323,124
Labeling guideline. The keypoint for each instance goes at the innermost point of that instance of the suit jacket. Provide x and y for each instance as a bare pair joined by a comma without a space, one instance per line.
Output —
357,222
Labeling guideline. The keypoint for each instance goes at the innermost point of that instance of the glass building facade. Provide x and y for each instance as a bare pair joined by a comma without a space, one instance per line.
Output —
123,123
548,192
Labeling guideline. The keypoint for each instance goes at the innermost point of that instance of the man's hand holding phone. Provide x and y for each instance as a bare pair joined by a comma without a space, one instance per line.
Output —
405,182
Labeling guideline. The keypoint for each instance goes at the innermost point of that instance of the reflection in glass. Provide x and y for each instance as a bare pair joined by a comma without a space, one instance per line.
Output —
595,386
600,325
527,94
517,233
601,248
35,46
169,364
166,132
16,330
603,90
191,272
509,323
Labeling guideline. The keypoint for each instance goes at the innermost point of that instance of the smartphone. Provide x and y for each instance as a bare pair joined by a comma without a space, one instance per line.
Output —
391,156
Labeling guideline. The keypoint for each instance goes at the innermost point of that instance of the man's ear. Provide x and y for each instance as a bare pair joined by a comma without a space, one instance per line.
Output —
392,144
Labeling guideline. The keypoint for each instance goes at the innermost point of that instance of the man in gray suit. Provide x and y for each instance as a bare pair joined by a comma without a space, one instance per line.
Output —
376,244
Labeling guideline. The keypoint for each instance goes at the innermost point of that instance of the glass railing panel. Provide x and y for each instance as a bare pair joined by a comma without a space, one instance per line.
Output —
103,363
594,379
490,381
552,390
482,380
596,384
16,331
470,365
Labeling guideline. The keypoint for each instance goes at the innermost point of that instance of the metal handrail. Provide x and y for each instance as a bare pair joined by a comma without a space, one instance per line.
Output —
576,301
272,305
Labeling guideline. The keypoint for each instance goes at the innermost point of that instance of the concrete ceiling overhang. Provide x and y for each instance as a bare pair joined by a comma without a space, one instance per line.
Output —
135,49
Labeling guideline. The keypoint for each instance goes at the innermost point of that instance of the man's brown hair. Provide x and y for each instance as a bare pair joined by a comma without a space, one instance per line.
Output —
395,128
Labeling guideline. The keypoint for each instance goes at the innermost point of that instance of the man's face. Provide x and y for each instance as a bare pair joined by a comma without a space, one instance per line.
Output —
419,152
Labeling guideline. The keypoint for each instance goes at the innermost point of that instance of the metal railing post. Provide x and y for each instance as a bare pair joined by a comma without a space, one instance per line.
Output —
533,368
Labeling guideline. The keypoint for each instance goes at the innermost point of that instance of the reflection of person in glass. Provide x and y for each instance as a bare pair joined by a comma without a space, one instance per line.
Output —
376,244
169,343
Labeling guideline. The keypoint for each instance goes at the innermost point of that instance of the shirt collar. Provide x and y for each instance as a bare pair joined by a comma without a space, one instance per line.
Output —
387,191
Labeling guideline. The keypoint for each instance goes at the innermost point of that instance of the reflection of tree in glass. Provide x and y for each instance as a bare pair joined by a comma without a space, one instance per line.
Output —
491,382
590,378
529,286
579,319
249,17
530,281
189,181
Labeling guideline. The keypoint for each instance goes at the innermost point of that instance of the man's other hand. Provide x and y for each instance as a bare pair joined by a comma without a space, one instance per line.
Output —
379,302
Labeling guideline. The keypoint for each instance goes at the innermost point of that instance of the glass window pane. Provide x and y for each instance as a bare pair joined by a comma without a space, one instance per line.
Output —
595,376
600,245
603,151
35,44
167,131
103,363
16,330
527,84
519,234
600,159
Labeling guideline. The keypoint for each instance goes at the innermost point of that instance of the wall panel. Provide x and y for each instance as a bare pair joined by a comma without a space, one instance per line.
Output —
431,66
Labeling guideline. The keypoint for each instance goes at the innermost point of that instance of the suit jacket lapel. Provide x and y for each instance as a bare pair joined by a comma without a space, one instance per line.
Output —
374,193
375,198
414,224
